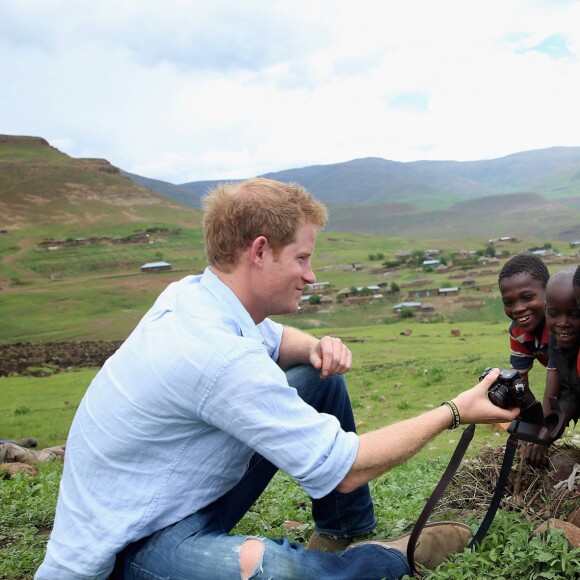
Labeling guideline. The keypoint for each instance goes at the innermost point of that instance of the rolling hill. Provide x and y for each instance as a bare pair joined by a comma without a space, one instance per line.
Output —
554,173
528,194
42,187
521,215
533,193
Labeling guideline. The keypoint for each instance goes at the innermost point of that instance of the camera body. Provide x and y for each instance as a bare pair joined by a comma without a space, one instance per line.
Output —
509,391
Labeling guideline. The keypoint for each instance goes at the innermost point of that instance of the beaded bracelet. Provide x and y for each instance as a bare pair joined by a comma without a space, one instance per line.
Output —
456,420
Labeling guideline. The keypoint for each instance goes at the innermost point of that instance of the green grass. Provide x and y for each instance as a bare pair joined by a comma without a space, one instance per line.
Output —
507,552
42,408
26,516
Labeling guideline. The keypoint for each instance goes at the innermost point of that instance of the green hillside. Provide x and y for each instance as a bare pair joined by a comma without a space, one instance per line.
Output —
74,234
525,194
517,215
57,195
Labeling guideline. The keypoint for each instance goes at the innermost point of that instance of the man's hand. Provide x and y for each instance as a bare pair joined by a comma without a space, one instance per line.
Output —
331,356
475,407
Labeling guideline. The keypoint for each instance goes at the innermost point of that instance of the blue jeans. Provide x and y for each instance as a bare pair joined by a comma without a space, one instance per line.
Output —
201,547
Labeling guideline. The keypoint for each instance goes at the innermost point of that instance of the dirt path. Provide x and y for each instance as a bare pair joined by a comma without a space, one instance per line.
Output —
9,260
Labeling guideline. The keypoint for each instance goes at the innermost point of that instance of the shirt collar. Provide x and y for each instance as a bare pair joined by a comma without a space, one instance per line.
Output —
224,295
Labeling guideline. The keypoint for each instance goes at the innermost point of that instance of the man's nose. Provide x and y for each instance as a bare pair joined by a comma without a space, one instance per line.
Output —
309,276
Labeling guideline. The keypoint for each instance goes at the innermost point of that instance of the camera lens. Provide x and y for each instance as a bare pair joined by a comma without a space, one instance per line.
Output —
499,396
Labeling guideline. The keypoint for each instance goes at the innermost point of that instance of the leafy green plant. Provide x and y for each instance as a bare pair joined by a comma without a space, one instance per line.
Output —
26,517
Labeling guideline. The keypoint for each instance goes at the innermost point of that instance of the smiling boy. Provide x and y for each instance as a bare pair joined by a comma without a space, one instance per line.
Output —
576,289
522,282
563,321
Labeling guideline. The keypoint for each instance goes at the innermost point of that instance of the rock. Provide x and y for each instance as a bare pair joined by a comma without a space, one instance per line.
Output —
563,464
27,442
291,525
574,517
7,470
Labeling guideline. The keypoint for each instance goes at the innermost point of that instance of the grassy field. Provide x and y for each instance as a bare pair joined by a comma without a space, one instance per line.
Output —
96,292
394,377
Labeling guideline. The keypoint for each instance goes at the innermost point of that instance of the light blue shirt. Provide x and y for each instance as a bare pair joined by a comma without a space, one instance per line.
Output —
170,422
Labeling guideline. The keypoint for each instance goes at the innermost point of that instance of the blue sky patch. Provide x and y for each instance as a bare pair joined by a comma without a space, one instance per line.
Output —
555,46
416,101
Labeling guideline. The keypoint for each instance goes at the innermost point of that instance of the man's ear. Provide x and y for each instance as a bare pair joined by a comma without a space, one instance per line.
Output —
258,250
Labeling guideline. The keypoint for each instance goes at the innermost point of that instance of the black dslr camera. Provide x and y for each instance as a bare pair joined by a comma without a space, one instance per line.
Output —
509,391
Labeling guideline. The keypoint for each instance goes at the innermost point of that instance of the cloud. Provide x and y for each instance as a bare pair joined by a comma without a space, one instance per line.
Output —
186,90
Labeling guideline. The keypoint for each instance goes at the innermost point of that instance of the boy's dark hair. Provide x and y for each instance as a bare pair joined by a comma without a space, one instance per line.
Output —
576,279
525,264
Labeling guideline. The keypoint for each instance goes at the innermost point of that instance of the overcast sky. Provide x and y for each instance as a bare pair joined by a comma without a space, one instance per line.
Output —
186,90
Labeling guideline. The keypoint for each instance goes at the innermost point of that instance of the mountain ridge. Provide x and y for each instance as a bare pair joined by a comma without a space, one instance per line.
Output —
373,179
535,193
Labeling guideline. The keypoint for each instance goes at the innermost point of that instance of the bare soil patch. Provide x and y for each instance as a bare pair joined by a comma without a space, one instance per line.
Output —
47,358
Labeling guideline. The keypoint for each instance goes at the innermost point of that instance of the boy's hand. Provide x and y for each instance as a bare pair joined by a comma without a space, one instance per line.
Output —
475,407
331,356
536,455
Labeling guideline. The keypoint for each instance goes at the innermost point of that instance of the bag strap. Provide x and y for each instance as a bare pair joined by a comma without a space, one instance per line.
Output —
508,459
446,478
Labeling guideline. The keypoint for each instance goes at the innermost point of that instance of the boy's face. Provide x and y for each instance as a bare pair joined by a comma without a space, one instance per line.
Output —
523,300
562,314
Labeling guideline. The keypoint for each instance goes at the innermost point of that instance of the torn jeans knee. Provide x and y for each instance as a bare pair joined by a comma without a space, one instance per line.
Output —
251,557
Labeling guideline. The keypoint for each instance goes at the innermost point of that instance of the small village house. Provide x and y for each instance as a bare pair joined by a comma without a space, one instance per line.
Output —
421,293
452,291
318,286
156,267
403,255
412,305
432,263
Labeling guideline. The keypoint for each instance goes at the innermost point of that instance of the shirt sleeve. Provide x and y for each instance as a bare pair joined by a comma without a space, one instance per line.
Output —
252,401
272,334
565,363
521,358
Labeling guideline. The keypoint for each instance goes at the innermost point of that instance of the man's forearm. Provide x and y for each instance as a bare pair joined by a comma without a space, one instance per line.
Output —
386,448
552,388
295,348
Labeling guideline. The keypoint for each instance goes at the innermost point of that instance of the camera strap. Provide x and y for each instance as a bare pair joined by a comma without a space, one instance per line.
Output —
446,478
